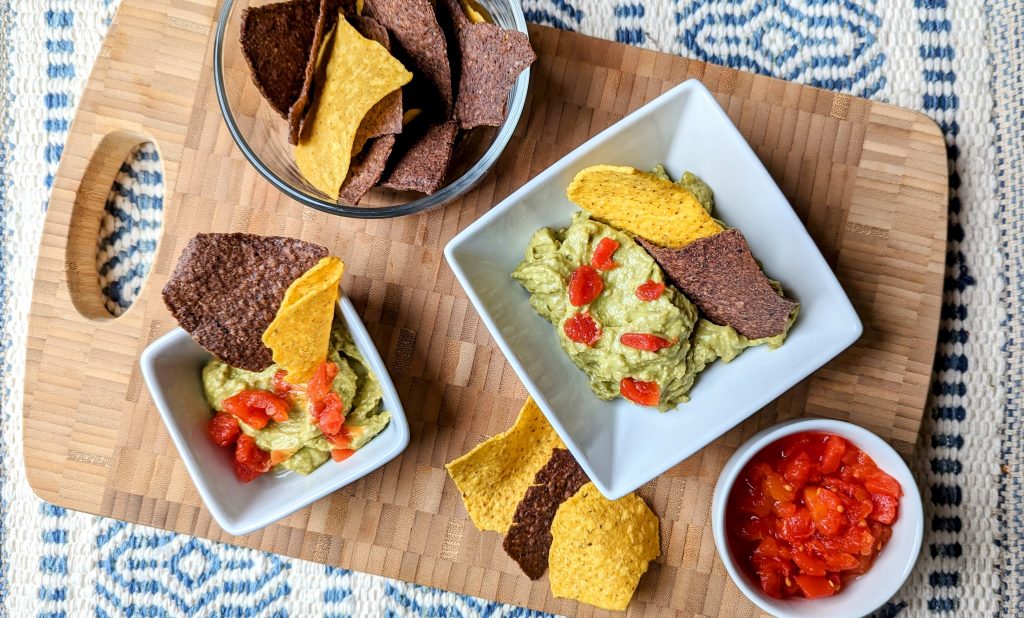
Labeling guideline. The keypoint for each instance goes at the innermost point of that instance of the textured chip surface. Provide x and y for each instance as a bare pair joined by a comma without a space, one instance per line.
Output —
384,118
642,204
422,167
490,61
359,73
494,476
600,548
719,274
277,40
529,539
414,26
227,288
366,169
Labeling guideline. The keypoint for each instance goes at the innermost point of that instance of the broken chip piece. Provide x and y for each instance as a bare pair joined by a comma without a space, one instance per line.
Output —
384,118
720,275
494,476
529,539
366,169
423,165
301,331
491,59
227,288
359,73
642,204
414,25
601,547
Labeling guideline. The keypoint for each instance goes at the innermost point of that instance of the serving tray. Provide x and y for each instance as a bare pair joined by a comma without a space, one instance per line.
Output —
869,180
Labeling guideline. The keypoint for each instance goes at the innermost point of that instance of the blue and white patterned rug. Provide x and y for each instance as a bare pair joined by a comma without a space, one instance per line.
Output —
957,60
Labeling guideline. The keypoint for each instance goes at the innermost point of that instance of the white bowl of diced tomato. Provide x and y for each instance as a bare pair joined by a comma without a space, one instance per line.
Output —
817,517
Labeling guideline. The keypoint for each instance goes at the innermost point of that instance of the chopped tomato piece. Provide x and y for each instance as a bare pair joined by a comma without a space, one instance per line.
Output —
585,285
255,407
798,469
320,385
809,564
582,328
883,508
777,487
329,413
650,290
835,448
814,587
223,429
250,460
341,454
281,385
277,457
644,341
602,258
639,392
841,561
878,482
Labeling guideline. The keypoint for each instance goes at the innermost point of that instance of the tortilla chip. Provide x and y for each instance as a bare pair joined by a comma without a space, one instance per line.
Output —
227,288
494,476
366,169
600,548
529,539
414,25
384,118
424,164
300,334
491,59
642,204
359,73
474,12
276,40
720,275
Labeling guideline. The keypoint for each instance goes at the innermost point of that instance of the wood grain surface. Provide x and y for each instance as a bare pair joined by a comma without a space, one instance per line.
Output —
869,180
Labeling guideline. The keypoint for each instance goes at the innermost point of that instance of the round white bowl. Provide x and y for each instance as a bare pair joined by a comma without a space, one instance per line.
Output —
868,592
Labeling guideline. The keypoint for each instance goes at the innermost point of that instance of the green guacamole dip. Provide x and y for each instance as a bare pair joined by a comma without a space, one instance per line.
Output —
551,257
355,384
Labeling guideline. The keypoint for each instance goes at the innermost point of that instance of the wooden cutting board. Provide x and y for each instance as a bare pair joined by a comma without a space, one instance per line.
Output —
868,179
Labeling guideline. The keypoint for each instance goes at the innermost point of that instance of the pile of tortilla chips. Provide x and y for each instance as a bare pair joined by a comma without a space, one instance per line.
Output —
369,88
524,483
252,301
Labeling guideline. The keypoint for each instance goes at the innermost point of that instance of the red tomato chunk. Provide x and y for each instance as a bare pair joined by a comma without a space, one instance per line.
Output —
585,285
650,290
639,392
255,407
582,328
808,513
603,252
644,341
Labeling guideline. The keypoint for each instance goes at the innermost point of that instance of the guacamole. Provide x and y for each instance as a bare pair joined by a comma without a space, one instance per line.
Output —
299,439
693,342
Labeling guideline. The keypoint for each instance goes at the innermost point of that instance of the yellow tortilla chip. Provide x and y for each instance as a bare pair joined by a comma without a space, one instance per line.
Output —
474,12
600,548
410,115
494,476
300,334
359,73
642,204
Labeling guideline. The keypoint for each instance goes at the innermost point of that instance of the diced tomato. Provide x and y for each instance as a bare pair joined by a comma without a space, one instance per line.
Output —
582,328
250,460
640,392
884,508
804,514
256,407
342,439
585,285
650,290
835,448
329,413
320,385
602,258
879,482
814,587
277,457
281,385
341,454
644,341
223,429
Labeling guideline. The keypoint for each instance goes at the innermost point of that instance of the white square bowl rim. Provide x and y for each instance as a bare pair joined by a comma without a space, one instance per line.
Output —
851,322
248,525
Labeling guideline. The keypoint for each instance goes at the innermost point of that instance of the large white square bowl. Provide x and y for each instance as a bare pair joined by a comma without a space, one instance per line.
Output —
172,366
620,445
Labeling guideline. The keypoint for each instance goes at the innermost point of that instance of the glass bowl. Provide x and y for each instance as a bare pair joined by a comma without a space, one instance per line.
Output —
261,134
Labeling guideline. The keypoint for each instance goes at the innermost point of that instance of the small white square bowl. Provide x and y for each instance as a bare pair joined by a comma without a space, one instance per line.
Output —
172,366
622,446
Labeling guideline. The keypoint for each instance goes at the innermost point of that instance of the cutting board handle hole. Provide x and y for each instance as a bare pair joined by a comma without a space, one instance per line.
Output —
115,225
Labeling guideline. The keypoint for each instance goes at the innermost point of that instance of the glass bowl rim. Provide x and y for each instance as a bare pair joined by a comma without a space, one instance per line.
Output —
449,193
